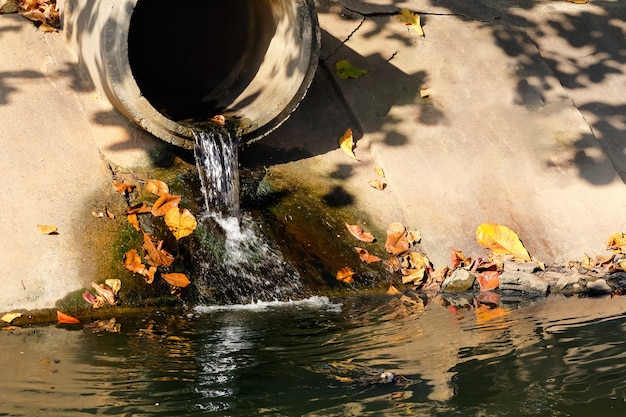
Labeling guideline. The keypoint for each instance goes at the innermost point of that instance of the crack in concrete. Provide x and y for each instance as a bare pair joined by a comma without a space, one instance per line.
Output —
398,12
346,39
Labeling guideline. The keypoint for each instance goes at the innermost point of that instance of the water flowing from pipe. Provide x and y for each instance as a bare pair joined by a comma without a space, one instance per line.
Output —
239,265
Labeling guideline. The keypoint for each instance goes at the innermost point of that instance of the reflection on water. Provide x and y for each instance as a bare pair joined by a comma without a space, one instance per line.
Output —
557,357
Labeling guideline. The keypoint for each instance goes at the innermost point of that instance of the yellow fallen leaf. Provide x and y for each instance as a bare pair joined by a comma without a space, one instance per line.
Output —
48,229
176,279
501,241
346,143
412,275
181,223
9,317
377,184
345,275
617,242
412,20
379,171
157,187
344,70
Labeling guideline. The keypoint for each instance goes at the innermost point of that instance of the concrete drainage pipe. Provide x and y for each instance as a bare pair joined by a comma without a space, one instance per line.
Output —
165,63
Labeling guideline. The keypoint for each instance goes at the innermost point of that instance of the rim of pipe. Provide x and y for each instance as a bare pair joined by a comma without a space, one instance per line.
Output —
267,64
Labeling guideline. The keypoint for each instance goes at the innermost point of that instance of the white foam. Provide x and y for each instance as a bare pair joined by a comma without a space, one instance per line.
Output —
322,303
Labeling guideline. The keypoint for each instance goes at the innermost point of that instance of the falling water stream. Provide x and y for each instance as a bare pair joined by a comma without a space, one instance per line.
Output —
245,267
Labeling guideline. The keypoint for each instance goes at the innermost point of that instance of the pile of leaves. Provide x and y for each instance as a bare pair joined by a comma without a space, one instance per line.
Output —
152,260
44,13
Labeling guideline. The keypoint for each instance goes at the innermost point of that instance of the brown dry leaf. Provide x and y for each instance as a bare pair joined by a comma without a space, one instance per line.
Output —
164,204
157,187
139,208
425,92
154,254
345,275
149,274
132,262
48,229
346,143
122,188
392,264
379,171
176,279
488,280
181,223
458,259
365,256
397,243
501,241
134,220
413,236
356,231
378,184
106,292
412,275
219,119
434,280
393,291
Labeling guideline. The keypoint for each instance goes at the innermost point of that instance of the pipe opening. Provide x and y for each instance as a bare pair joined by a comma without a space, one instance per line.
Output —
191,59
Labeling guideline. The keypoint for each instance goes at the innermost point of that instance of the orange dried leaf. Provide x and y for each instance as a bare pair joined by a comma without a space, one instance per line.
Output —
132,262
134,220
366,257
501,241
123,188
488,280
154,254
48,229
346,143
356,231
378,184
219,119
396,243
393,291
181,223
176,279
164,204
140,208
149,274
157,187
65,318
345,275
458,259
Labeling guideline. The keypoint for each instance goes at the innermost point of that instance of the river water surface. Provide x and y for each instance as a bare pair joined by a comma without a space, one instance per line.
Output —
361,356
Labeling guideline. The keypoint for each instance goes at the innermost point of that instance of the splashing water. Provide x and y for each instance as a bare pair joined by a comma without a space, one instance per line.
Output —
239,265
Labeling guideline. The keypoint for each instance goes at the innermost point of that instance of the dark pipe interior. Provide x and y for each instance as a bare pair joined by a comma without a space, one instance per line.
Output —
180,51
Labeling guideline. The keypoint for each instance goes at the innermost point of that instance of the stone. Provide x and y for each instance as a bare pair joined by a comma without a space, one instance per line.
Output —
461,280
563,281
599,287
8,6
523,281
